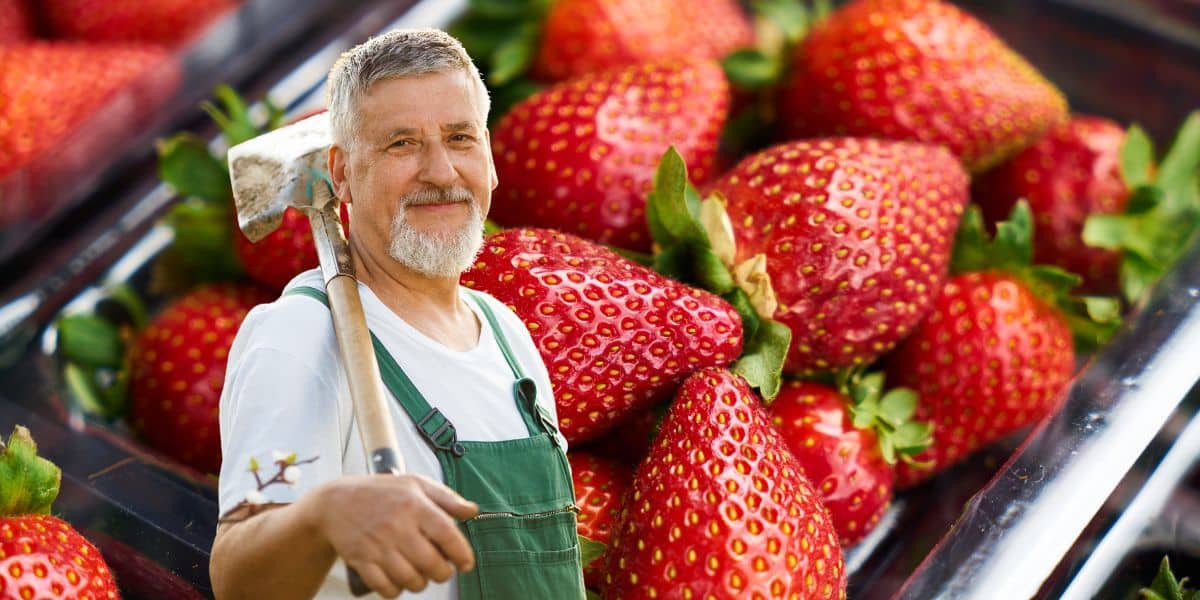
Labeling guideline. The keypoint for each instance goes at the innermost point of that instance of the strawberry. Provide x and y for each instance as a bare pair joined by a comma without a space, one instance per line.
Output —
178,370
42,556
837,441
167,22
600,485
996,351
856,236
1069,174
586,36
629,440
284,253
720,508
920,70
16,22
51,88
580,156
615,336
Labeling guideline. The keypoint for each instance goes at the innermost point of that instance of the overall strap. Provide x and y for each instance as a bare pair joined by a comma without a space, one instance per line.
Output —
524,390
437,430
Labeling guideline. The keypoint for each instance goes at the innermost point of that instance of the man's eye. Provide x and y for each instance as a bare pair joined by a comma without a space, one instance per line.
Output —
401,143
461,137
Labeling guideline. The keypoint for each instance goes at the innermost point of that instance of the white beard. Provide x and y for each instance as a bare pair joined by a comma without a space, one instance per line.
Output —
433,255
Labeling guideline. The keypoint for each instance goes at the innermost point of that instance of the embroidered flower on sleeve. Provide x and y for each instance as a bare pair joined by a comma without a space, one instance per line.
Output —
287,472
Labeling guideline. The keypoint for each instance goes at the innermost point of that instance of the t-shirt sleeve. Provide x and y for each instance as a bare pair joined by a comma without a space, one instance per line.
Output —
279,421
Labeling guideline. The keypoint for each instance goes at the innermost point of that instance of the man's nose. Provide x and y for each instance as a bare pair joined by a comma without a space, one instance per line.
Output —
437,166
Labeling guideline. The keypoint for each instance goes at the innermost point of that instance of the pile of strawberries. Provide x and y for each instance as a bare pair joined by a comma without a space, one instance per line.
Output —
76,74
751,262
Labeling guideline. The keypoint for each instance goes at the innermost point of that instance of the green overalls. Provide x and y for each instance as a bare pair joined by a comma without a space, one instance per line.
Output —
524,536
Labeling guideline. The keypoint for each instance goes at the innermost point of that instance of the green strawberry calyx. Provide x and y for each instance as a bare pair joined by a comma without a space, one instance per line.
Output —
694,243
1093,319
889,414
1166,587
28,482
92,348
1162,216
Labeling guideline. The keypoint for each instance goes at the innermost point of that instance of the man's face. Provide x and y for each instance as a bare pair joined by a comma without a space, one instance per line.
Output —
418,173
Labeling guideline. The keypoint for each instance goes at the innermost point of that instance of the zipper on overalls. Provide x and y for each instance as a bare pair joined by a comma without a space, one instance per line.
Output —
511,515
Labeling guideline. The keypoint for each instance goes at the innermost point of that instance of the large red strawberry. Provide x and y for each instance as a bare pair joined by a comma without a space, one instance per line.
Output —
600,485
995,352
847,444
856,235
50,88
919,70
720,508
42,556
167,22
615,336
16,22
580,156
178,369
284,253
1069,174
586,36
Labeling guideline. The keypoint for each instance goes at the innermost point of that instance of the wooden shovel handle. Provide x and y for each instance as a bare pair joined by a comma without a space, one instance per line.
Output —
358,354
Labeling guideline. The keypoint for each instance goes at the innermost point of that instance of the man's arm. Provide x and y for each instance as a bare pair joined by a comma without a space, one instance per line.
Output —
397,532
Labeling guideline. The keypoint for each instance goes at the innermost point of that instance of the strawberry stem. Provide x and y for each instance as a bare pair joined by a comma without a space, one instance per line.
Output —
28,482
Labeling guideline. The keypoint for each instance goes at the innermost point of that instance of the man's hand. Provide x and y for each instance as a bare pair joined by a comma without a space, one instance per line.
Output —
397,532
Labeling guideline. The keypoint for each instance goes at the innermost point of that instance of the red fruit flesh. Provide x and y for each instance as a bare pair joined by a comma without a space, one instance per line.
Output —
991,358
720,508
615,336
167,22
600,486
843,462
580,157
920,70
586,36
286,252
178,371
44,557
857,234
16,22
1071,173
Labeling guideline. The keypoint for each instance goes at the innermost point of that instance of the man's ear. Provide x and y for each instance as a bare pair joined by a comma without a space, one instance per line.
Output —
495,179
339,173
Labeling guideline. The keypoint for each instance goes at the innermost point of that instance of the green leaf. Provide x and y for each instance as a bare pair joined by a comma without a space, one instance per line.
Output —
28,482
508,9
761,364
186,165
81,385
1014,237
888,449
1102,309
751,69
1137,275
203,245
233,116
675,262
513,57
129,299
1177,174
821,10
862,387
1137,157
90,341
672,208
1165,586
1053,281
913,437
711,274
275,115
970,243
790,16
482,35
253,465
641,258
490,227
897,406
750,319
1105,231
590,550
1144,199
592,595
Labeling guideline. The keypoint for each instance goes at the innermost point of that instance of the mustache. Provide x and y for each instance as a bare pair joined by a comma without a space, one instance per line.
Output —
437,196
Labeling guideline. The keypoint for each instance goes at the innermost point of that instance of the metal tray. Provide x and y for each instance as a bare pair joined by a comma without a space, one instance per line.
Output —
1049,513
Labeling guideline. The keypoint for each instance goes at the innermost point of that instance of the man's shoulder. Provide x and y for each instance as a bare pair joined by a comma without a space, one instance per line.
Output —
293,322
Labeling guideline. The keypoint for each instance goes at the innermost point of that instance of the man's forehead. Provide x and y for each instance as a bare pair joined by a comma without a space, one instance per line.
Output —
444,100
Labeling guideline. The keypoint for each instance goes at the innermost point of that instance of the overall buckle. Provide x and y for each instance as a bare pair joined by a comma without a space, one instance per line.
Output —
442,437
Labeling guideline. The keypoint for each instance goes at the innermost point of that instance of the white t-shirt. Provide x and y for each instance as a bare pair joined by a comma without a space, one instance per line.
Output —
285,391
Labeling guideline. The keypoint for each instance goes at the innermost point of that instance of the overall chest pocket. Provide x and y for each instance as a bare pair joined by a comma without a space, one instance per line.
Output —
524,556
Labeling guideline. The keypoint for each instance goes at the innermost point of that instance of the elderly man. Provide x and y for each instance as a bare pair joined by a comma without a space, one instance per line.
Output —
487,507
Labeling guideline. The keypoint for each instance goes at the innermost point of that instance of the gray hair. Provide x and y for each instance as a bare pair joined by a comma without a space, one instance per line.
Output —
395,54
